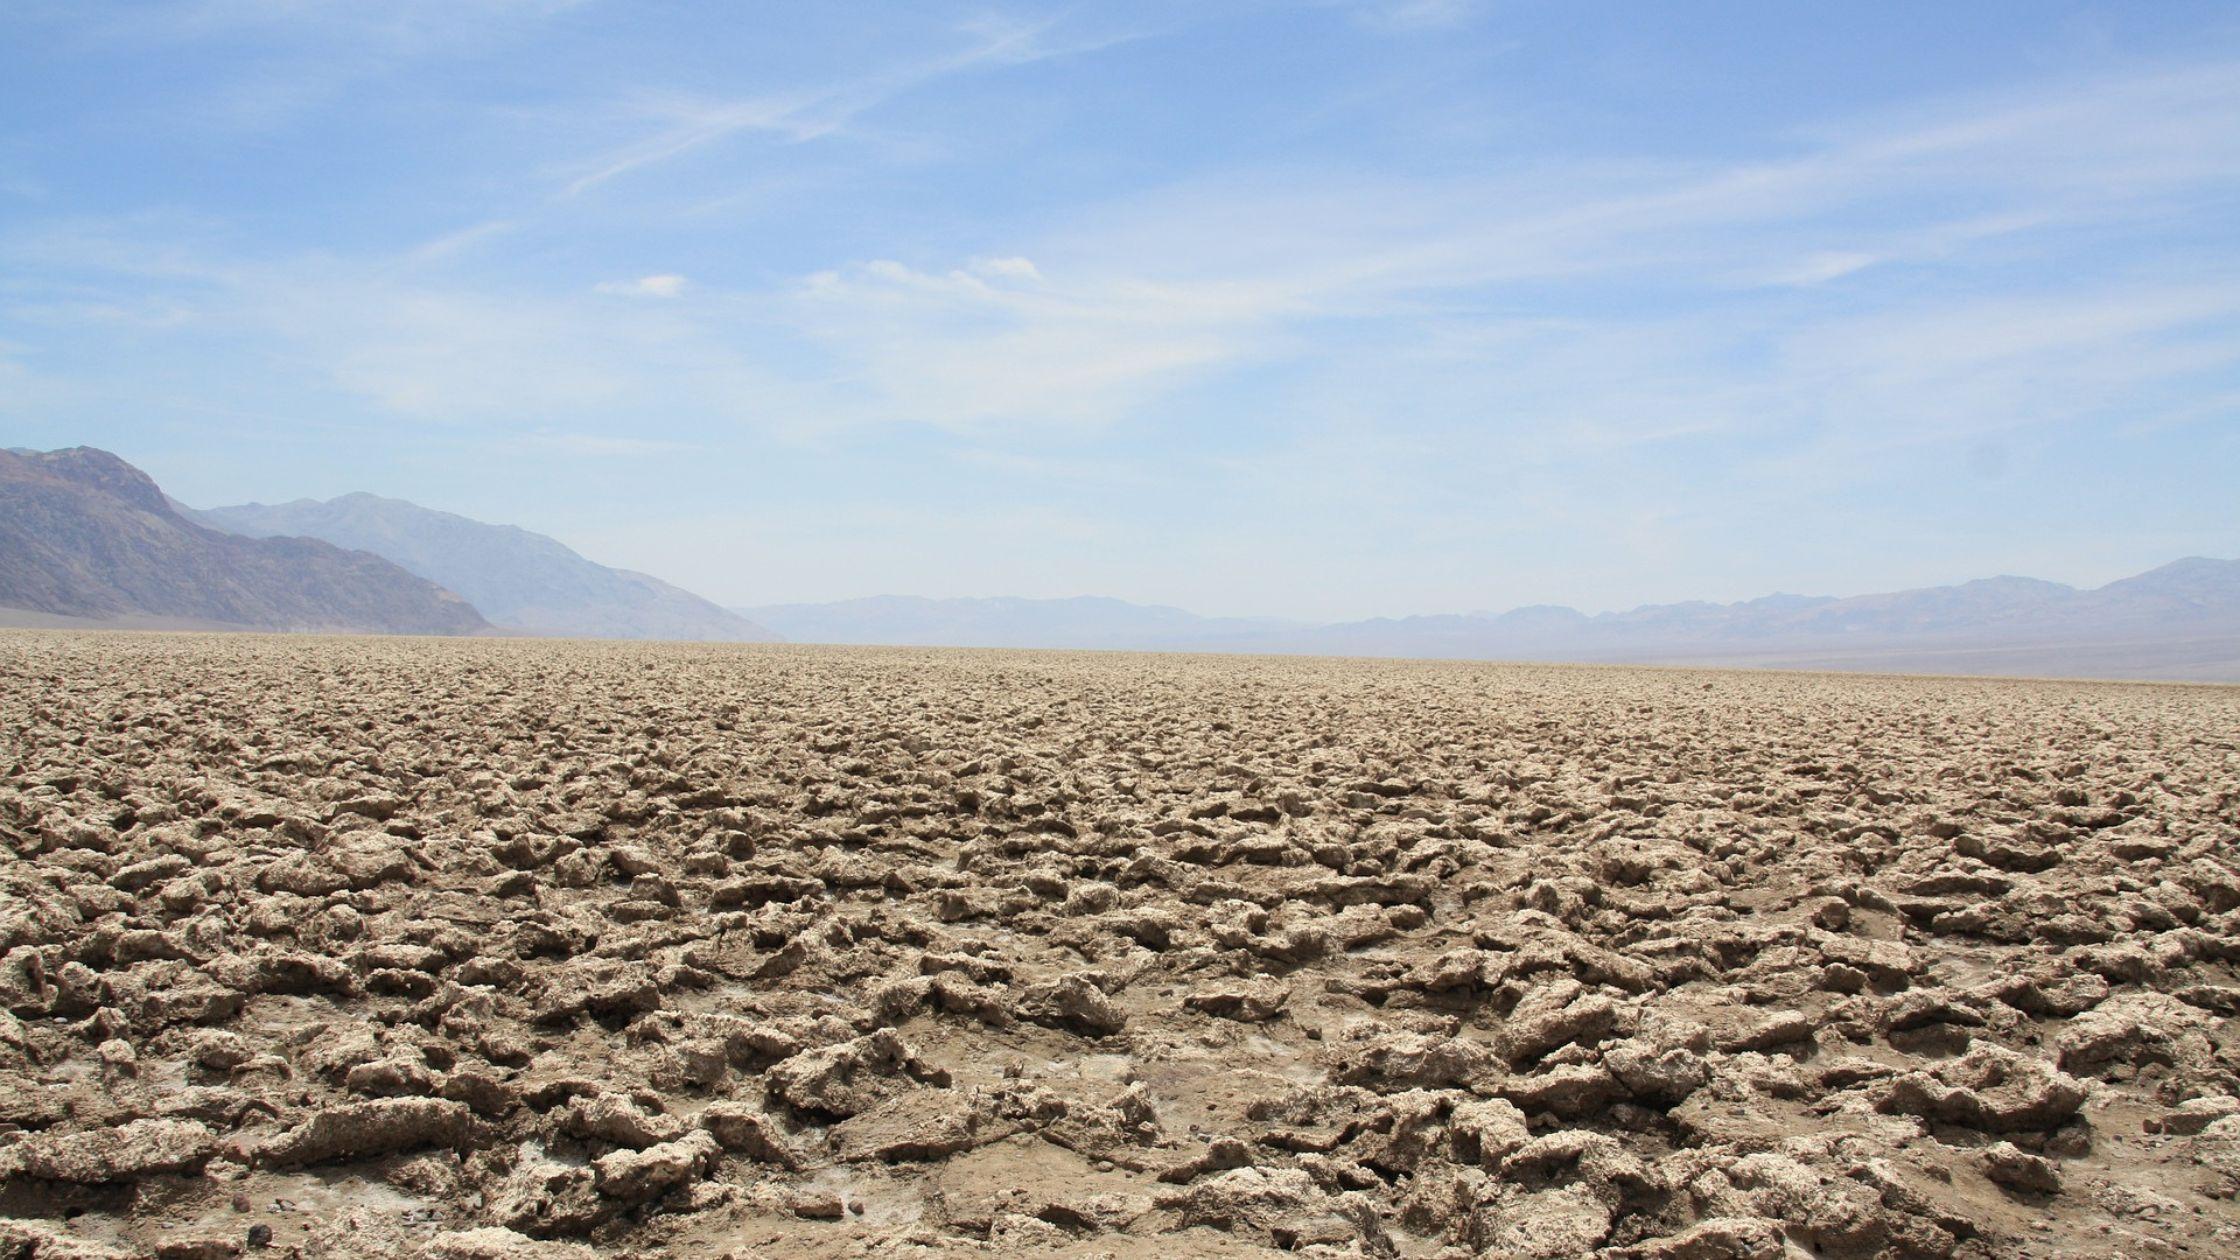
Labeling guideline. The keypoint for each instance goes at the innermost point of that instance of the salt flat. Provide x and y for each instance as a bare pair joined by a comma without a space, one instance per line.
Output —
397,946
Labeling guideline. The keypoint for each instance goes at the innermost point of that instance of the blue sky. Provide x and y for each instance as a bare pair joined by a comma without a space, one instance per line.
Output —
1309,309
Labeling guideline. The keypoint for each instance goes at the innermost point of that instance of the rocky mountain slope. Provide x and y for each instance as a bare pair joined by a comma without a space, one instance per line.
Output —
84,534
519,579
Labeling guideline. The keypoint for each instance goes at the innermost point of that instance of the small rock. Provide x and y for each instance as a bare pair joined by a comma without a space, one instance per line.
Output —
361,1130
141,1148
617,1121
2017,1169
635,1176
197,1249
1072,1002
1250,1002
493,1243
750,1132
817,1205
2194,1115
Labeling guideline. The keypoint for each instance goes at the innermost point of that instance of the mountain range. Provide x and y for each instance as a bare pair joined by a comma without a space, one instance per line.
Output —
517,579
84,535
2181,620
2178,621
85,538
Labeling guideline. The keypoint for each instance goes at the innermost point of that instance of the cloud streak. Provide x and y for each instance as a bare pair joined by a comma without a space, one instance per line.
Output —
683,124
1154,296
661,285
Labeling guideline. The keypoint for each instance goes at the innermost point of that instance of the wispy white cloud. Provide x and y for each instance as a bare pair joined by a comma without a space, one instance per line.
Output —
1821,266
462,240
397,334
1414,15
662,285
1117,313
1869,248
680,124
999,342
1955,370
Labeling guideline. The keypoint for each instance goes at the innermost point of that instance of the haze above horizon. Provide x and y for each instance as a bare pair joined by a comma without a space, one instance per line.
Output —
1323,311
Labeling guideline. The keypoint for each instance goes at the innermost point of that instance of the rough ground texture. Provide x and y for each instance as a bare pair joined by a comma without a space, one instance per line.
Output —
490,949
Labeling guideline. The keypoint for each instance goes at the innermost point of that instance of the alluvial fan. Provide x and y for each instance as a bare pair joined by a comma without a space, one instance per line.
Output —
499,948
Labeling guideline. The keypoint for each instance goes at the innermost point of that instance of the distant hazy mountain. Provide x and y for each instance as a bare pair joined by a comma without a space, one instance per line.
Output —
2193,589
2179,621
1086,622
85,535
518,579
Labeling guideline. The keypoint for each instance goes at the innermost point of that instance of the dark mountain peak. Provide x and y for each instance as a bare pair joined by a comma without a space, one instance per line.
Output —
101,471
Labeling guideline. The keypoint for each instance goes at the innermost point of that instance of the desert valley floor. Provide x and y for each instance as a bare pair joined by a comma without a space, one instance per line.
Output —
395,947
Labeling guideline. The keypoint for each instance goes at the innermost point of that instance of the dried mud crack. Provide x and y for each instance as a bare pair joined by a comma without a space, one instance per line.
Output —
493,949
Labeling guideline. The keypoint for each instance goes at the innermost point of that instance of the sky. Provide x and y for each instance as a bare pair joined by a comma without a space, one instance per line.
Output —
1307,309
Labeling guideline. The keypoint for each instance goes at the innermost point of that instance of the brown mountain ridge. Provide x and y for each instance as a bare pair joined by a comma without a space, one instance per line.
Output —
83,534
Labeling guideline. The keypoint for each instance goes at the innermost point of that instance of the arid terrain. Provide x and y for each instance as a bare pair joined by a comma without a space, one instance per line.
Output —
486,948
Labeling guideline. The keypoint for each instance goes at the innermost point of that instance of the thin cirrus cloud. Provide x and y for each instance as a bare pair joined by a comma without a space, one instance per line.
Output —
679,125
996,342
661,285
1108,322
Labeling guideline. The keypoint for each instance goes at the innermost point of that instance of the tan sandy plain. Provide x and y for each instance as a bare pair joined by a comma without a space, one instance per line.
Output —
388,947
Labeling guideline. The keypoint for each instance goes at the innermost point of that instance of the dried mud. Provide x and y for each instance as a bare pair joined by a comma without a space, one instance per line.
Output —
397,947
